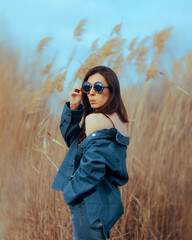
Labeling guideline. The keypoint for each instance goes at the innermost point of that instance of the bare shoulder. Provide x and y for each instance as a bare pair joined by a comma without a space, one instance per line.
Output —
95,122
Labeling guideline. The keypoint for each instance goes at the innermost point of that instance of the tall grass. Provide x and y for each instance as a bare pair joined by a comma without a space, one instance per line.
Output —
157,198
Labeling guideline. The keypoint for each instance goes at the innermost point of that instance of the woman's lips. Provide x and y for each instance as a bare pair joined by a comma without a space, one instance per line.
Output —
92,101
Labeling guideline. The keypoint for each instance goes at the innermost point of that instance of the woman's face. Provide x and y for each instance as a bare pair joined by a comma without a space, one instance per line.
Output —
97,100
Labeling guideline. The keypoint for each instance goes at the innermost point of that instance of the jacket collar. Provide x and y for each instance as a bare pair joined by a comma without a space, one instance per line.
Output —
107,134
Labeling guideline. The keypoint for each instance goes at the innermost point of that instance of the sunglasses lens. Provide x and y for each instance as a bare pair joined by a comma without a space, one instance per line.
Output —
98,87
86,87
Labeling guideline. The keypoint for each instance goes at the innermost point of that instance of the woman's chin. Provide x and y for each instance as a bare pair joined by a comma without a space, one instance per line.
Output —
94,106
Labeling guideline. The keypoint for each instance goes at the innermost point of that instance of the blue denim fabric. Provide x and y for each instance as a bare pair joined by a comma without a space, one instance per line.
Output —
81,227
93,171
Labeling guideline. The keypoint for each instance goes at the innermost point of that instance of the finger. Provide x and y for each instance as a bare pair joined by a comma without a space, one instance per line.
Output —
77,89
74,94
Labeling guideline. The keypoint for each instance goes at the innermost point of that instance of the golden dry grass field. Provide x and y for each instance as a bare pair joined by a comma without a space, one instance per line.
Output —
157,198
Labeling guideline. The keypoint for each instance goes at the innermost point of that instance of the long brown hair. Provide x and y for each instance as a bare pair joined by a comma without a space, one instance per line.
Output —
114,103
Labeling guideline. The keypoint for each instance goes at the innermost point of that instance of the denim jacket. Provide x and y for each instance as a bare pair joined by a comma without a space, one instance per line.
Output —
93,170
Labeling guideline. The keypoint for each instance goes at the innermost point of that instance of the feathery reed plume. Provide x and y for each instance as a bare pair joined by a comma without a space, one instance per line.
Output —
60,79
151,72
48,67
160,39
94,45
53,83
132,44
158,43
118,64
142,51
116,29
79,29
44,42
131,56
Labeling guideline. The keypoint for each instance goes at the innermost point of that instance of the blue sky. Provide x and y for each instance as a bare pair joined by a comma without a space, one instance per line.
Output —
30,21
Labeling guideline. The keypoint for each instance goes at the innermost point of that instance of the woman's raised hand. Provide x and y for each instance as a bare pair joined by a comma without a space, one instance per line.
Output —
75,98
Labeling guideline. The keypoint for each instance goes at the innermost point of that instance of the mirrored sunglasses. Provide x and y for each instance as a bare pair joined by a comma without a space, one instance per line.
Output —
98,87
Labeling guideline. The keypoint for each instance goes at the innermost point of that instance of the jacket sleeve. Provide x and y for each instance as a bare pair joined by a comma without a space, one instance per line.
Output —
90,172
69,125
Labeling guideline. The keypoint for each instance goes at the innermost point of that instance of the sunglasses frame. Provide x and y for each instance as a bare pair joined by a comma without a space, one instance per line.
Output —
94,87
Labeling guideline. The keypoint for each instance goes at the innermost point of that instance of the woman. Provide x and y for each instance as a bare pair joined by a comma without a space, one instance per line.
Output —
95,164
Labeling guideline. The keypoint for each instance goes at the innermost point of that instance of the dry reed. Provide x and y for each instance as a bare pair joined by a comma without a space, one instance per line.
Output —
79,29
43,43
116,29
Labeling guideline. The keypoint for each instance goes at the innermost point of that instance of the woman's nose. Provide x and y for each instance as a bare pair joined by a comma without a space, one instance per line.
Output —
92,91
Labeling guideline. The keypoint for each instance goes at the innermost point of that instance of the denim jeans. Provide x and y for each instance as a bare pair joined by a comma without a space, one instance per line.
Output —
81,228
